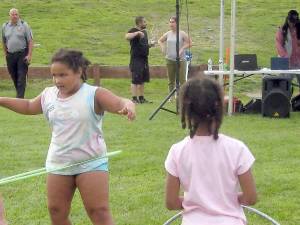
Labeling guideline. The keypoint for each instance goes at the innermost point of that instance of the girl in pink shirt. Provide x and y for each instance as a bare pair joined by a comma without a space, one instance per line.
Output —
213,170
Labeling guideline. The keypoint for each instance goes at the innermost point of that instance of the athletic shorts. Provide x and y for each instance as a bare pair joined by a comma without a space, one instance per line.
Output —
97,165
139,70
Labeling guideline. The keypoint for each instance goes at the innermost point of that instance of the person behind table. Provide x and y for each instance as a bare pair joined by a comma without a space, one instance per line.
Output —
287,43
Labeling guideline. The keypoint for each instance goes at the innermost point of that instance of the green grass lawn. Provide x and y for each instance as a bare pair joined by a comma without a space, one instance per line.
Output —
97,27
137,175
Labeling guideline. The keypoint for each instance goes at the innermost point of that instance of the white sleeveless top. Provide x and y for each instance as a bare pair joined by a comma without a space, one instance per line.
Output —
76,128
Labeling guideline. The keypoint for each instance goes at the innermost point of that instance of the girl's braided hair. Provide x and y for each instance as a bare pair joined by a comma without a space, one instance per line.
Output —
74,59
201,103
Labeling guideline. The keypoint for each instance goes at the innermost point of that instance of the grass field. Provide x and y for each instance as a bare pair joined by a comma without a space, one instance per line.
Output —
137,175
97,27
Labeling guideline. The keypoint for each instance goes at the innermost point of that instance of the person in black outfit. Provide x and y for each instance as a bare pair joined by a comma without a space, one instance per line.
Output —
17,47
139,52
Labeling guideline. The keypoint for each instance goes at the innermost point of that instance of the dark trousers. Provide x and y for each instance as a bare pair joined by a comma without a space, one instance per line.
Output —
18,68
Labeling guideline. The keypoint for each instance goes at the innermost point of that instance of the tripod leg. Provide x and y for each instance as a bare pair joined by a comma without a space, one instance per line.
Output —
163,103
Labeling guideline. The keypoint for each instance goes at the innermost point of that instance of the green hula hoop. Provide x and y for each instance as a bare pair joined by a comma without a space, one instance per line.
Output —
42,171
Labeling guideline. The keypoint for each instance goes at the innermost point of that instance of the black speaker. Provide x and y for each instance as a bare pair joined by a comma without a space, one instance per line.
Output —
276,95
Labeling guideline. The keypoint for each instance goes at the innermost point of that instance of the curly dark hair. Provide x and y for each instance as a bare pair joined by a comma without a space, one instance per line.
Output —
74,59
201,103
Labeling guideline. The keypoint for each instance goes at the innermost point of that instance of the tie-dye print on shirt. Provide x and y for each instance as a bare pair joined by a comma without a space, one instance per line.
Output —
76,129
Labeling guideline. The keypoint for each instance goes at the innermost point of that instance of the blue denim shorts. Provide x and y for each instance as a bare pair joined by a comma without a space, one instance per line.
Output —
97,165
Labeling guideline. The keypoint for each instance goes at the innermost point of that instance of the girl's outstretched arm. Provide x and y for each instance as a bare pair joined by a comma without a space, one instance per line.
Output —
105,100
173,200
22,106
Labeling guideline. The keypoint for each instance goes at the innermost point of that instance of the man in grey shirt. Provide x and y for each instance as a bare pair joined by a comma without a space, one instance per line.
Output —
17,47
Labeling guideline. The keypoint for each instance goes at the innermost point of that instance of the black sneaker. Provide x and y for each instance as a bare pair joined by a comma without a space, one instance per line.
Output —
142,101
135,101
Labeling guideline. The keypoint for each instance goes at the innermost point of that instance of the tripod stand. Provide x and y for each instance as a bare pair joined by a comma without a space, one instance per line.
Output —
175,91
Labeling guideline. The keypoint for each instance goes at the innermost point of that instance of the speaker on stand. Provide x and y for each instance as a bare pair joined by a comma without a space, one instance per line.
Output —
276,96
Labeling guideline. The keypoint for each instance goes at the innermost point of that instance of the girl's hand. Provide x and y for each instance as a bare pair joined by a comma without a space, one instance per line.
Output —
128,110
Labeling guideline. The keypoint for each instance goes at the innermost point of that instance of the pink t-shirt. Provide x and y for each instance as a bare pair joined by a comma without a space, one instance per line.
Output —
208,171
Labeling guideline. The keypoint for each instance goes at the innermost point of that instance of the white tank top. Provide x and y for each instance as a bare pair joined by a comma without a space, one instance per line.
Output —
76,128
